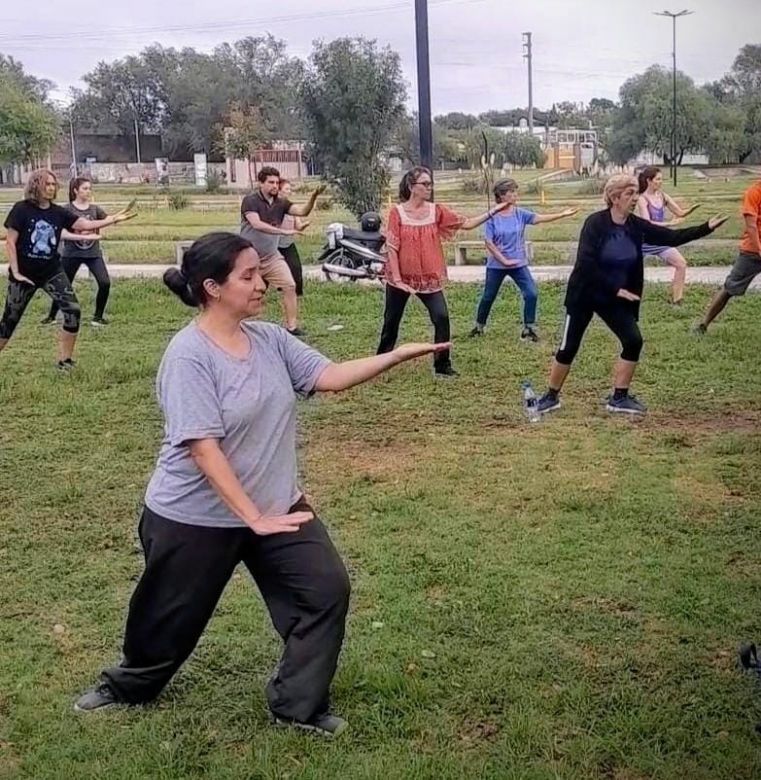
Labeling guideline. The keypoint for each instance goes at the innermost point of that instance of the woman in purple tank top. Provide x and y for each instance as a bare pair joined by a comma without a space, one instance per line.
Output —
652,205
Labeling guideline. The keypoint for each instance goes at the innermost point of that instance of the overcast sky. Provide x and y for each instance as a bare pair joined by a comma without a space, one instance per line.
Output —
582,49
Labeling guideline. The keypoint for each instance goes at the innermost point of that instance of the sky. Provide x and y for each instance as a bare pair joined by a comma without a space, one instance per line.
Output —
581,49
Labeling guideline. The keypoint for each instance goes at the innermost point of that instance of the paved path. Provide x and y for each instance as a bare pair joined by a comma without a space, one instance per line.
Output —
713,275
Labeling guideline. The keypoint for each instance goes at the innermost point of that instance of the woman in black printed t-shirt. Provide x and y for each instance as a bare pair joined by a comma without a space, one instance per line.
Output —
35,226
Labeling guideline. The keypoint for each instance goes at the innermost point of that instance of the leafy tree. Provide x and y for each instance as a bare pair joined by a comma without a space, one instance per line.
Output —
353,98
446,145
28,127
456,120
246,132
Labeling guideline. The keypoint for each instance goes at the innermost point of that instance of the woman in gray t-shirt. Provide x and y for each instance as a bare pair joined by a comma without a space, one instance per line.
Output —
225,491
84,251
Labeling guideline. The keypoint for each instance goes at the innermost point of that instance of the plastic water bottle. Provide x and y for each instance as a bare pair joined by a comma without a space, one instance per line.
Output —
529,403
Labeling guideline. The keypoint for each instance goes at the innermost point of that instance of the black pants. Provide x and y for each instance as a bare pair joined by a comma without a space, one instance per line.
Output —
99,271
300,575
293,261
20,294
621,318
396,302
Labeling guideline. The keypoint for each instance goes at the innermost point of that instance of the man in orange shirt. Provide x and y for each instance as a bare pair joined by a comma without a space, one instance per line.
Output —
748,263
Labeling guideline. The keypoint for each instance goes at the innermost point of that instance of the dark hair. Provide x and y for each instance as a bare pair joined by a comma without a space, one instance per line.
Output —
410,178
266,172
212,256
75,184
503,186
646,175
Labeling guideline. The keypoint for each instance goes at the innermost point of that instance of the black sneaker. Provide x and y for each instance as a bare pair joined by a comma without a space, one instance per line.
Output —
629,404
99,322
529,334
298,332
700,329
47,321
548,403
476,332
65,365
99,698
445,372
325,725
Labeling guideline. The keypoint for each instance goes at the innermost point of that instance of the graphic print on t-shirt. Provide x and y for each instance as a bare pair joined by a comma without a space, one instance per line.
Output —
43,239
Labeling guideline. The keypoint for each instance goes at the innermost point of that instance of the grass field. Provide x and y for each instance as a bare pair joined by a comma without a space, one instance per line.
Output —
150,238
553,601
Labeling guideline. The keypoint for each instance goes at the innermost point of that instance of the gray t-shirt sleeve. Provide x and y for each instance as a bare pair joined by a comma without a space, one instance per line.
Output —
99,213
188,398
304,364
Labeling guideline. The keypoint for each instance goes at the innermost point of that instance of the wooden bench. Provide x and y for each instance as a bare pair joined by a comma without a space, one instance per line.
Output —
179,250
461,250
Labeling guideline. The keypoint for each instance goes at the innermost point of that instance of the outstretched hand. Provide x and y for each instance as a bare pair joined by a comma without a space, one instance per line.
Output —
124,215
569,212
691,209
411,351
717,221
320,189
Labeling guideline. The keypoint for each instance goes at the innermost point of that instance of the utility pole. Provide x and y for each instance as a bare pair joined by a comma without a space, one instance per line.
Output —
137,142
423,83
673,17
73,146
528,56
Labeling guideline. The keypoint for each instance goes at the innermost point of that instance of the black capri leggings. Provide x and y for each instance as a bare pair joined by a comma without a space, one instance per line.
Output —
99,271
293,261
58,287
620,318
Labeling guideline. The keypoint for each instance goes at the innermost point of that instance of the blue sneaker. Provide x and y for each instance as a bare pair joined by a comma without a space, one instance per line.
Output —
548,403
629,404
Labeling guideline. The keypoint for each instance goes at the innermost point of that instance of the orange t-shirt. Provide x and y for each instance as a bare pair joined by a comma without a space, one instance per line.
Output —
751,208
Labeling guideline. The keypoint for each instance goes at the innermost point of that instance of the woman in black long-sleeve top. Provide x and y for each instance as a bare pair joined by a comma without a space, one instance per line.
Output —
607,280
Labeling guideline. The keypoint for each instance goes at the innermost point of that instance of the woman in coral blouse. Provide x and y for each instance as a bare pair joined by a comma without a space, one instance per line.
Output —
416,265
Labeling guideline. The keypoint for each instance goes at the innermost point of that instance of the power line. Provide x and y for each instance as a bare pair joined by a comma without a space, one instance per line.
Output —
73,36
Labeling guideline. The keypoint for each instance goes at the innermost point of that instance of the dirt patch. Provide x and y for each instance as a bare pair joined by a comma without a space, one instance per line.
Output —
475,732
691,427
610,606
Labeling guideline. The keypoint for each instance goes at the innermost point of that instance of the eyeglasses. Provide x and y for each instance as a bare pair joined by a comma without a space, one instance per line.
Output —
425,183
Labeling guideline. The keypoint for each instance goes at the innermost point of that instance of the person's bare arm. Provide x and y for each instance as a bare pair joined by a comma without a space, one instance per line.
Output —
540,219
67,235
259,224
676,209
11,249
341,376
497,255
208,456
305,209
473,222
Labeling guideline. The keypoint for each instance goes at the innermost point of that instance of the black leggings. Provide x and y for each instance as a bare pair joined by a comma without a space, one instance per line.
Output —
396,301
293,261
98,269
58,287
620,318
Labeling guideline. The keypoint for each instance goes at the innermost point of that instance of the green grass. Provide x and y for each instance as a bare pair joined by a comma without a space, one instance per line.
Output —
557,601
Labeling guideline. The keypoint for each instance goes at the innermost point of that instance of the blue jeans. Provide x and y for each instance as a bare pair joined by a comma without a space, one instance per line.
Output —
526,284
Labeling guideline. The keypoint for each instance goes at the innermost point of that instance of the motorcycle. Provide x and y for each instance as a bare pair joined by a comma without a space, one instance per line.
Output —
349,254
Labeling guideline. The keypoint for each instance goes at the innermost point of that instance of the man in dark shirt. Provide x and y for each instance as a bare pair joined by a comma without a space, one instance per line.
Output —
262,215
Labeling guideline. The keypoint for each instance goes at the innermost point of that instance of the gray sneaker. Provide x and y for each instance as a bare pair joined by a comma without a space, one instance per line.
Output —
99,698
325,725
548,403
629,404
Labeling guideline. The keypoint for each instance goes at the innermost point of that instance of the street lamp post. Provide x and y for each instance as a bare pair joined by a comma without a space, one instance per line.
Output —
423,83
673,16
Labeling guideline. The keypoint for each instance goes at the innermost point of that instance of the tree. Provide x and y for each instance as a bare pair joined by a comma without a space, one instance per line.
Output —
245,134
446,145
645,119
353,99
456,120
28,127
11,70
523,150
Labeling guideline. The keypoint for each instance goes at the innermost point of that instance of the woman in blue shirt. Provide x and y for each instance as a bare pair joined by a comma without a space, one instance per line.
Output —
506,244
